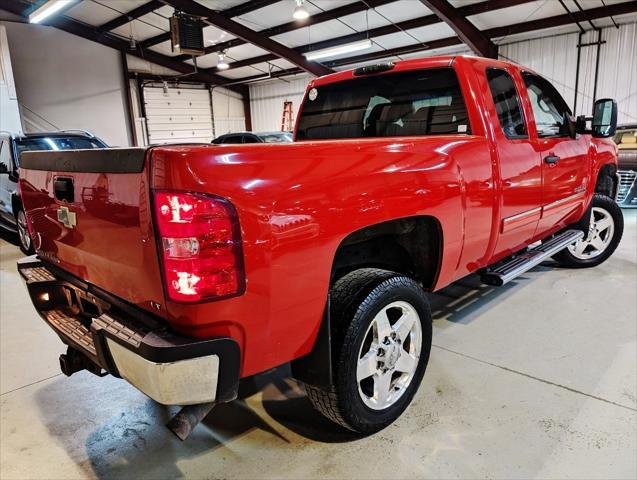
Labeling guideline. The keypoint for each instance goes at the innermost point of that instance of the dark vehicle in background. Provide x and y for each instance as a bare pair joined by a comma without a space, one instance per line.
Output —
626,140
254,137
12,216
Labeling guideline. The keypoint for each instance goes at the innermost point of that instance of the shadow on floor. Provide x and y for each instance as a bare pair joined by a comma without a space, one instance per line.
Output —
462,301
10,237
134,443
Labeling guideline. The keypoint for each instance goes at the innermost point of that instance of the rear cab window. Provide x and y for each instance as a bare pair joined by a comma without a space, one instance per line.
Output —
411,103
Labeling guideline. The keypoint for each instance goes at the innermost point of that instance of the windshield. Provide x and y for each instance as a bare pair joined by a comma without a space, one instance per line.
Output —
283,137
420,102
626,139
57,143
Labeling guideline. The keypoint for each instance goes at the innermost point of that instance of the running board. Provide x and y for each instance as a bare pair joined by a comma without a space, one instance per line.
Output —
519,264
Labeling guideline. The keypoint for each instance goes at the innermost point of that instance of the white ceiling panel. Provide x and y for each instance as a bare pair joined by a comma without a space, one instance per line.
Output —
315,33
359,20
244,51
205,61
221,4
164,48
432,32
244,72
139,31
463,3
403,10
281,12
518,14
92,13
283,64
394,40
158,18
213,35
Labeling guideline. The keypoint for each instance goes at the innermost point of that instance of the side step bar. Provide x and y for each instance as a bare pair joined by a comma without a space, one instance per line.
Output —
519,264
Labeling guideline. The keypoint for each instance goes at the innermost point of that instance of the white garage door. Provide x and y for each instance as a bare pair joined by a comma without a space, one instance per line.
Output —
178,115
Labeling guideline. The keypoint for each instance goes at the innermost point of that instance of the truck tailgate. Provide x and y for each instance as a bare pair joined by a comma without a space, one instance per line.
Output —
89,214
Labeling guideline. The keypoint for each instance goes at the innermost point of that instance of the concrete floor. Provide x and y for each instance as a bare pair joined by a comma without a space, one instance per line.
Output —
533,380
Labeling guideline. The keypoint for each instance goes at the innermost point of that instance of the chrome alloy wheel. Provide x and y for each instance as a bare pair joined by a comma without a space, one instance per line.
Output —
600,235
388,357
23,231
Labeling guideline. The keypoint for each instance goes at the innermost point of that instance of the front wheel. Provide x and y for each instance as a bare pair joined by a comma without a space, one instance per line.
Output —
381,334
23,232
604,234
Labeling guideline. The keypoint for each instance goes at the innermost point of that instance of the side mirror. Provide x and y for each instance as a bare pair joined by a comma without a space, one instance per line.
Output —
3,169
604,118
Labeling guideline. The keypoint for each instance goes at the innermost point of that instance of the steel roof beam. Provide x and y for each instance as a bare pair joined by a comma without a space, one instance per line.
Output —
466,31
129,16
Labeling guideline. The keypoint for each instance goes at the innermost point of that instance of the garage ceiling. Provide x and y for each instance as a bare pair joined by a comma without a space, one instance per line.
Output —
261,38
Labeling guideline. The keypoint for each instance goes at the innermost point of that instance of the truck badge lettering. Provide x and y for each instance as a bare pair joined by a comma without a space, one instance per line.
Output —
66,217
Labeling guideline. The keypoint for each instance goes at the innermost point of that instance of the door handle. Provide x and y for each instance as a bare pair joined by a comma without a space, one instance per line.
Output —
551,159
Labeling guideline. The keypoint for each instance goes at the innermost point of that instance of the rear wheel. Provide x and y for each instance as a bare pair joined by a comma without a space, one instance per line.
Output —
23,232
604,234
381,334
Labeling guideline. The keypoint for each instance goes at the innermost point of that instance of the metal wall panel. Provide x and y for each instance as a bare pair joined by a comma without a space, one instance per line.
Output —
227,109
618,70
266,101
555,57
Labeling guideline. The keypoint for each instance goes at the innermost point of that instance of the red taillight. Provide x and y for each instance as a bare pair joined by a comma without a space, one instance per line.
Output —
200,244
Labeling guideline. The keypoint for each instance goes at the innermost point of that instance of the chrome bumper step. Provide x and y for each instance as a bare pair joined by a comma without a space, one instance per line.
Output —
523,262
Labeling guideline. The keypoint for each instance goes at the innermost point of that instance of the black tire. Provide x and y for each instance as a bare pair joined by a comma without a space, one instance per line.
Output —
355,300
600,203
24,239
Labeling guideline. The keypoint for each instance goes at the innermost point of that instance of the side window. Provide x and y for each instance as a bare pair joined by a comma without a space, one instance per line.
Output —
548,106
507,103
250,139
5,155
232,139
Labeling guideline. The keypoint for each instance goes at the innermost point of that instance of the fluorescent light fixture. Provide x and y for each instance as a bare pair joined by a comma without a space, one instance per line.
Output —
339,50
300,13
48,9
221,63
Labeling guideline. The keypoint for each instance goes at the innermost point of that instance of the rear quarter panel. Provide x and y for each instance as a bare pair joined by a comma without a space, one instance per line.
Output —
297,202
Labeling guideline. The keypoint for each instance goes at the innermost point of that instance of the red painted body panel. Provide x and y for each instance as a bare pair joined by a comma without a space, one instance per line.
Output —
113,242
297,202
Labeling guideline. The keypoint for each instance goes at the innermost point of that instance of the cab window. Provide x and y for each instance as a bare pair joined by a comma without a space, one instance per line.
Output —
418,102
507,103
250,139
549,108
232,139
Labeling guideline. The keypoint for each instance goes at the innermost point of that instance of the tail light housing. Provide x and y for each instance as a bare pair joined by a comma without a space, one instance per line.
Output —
200,246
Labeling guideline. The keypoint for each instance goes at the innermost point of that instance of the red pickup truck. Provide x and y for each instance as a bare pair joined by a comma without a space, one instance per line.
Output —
185,268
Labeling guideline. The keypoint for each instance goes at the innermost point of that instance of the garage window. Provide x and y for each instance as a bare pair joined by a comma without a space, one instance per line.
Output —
420,102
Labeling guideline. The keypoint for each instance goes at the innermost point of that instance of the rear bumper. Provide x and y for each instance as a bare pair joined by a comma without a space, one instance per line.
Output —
129,343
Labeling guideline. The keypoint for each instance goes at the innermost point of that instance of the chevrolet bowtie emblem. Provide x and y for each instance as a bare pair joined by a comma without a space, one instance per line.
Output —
67,217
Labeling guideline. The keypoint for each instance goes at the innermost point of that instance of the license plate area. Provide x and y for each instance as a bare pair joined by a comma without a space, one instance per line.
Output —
48,296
